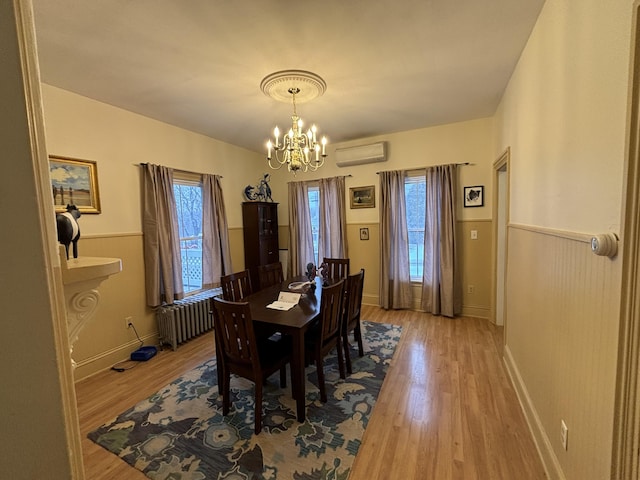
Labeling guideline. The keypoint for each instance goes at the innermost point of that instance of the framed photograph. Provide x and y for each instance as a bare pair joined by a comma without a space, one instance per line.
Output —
363,197
74,182
474,196
364,234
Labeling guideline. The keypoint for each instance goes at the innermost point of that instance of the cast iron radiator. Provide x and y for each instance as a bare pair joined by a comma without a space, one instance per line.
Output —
185,318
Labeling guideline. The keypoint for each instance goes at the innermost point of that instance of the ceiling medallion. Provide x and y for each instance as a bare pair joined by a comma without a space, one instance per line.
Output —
298,150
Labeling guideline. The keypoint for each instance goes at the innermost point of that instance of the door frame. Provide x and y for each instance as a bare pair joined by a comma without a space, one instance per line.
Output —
626,434
500,165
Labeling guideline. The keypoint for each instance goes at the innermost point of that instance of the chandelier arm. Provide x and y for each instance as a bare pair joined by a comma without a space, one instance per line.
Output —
280,164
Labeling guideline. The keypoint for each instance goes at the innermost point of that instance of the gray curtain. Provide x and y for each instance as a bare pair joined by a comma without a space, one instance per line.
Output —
300,235
216,253
441,292
162,262
395,280
332,238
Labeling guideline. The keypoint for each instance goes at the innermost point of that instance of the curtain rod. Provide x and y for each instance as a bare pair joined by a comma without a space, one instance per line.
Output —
316,179
429,166
179,170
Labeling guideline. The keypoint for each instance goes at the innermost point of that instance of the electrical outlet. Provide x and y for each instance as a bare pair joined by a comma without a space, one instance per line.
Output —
471,288
127,321
564,434
474,234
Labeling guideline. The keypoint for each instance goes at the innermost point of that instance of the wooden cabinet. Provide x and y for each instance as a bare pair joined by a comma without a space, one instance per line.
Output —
260,227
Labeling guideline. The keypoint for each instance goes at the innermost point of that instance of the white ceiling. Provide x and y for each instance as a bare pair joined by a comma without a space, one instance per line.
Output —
389,65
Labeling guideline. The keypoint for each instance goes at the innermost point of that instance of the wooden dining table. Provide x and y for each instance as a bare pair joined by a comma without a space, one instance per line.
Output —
294,322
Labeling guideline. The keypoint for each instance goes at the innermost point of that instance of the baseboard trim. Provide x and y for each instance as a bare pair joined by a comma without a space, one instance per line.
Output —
540,438
105,360
477,311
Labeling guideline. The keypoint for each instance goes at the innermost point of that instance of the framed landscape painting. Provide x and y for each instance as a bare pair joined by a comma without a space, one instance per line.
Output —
363,197
74,182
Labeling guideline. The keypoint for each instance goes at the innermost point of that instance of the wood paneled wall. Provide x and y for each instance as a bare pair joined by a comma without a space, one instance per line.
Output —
561,332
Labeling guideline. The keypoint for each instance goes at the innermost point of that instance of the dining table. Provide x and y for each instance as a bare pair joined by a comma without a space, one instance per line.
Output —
294,322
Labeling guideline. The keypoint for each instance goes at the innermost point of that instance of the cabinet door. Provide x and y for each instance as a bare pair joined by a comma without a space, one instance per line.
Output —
268,218
269,250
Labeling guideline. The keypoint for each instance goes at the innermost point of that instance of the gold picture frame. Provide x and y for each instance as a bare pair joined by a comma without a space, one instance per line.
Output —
363,197
74,182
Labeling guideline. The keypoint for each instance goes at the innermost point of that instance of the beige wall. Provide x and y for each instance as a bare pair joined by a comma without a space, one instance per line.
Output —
564,116
39,430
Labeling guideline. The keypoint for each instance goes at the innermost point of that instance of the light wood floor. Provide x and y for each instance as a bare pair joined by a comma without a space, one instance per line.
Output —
447,409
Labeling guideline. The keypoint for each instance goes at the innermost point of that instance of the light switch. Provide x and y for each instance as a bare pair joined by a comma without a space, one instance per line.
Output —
474,234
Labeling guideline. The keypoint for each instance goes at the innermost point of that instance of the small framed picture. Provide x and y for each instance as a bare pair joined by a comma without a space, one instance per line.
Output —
474,196
364,234
74,182
363,197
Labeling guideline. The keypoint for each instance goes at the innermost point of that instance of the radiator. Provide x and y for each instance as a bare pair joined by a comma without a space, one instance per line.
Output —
185,319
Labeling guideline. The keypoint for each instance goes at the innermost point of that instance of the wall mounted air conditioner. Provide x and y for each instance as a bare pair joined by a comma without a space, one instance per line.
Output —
375,152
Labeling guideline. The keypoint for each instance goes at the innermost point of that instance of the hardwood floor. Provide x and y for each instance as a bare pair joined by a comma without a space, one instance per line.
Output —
447,409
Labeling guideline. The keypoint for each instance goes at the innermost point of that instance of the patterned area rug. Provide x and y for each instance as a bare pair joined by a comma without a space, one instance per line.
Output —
180,432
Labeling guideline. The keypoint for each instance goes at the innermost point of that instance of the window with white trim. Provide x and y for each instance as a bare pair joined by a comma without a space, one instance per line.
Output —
415,188
313,194
188,195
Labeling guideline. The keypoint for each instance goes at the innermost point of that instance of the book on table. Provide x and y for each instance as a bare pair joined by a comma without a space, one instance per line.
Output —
286,301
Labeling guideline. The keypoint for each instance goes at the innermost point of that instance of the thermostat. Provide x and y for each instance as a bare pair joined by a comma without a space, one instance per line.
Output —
605,244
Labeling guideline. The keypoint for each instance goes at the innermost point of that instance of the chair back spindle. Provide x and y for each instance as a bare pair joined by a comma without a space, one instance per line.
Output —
236,286
338,267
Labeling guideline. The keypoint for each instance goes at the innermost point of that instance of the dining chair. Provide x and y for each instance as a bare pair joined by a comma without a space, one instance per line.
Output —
270,274
236,286
338,267
246,357
325,336
351,318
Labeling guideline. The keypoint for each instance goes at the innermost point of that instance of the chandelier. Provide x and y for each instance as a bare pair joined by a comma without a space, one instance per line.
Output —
297,149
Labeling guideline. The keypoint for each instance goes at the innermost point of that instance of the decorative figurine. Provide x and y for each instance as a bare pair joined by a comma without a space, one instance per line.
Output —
324,272
68,229
311,272
260,192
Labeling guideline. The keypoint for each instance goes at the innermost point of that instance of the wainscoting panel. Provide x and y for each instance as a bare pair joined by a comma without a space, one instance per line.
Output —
561,333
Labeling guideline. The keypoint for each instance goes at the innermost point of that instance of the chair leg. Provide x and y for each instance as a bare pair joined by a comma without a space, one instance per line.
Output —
226,393
283,377
258,409
357,333
347,355
320,371
340,358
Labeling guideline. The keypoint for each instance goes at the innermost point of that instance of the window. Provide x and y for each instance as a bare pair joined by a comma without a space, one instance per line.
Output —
188,195
415,188
314,212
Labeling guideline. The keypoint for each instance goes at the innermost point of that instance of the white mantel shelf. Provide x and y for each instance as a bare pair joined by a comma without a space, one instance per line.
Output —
84,269
81,278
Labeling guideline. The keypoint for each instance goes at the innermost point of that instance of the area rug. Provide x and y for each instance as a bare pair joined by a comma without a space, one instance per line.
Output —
180,432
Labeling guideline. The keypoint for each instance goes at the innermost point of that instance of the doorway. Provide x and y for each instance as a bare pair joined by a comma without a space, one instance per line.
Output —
501,216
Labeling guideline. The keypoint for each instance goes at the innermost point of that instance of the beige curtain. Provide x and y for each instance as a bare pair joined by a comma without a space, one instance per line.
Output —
441,292
216,253
332,237
300,236
395,281
162,262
